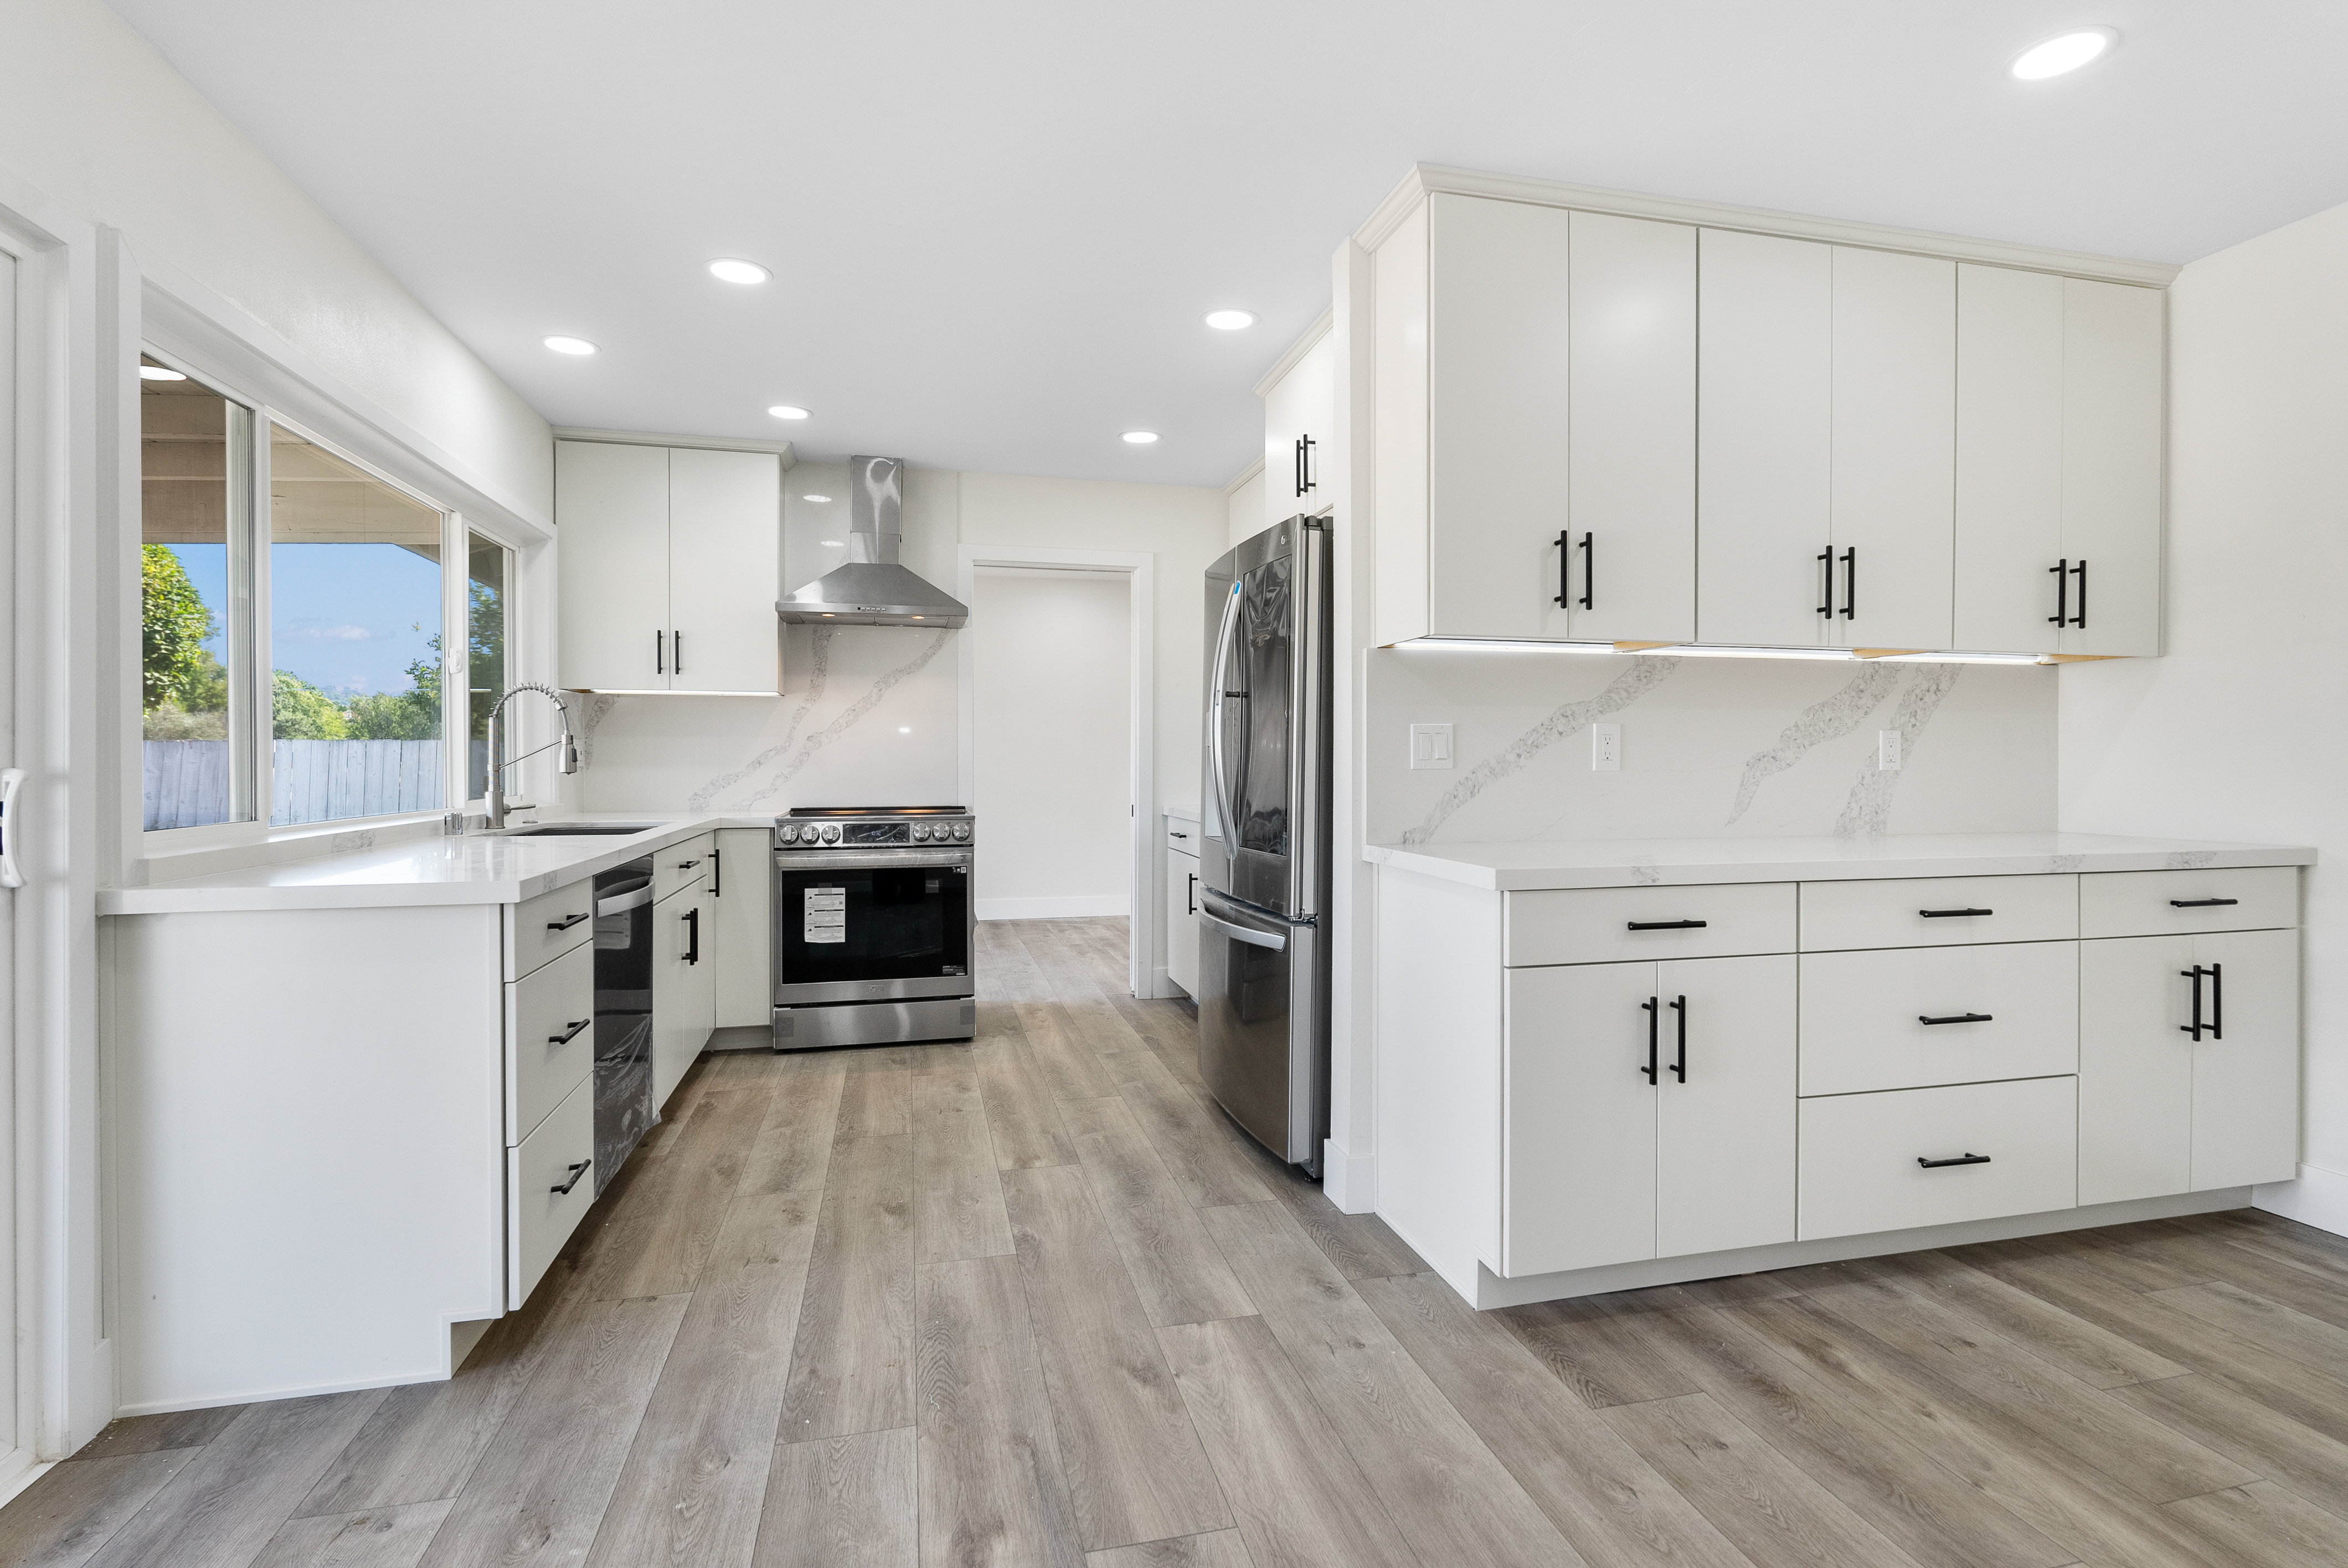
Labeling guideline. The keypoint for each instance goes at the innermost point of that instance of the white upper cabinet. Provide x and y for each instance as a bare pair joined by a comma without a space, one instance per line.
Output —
1299,414
1601,428
670,564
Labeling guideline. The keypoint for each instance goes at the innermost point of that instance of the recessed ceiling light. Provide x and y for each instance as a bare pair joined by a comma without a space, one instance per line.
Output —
787,411
156,373
815,497
727,270
1231,321
1141,438
561,345
2063,53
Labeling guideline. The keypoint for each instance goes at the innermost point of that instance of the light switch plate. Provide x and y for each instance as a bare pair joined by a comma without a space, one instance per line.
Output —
1430,745
1606,748
1887,750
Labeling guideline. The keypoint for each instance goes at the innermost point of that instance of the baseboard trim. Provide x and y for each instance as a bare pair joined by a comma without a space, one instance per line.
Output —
255,1396
17,1471
2319,1198
1348,1180
1491,1290
1068,907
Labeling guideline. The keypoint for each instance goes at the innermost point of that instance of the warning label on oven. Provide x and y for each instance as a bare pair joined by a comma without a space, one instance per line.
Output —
827,913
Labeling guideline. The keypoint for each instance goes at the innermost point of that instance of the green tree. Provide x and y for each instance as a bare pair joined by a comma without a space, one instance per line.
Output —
174,625
300,712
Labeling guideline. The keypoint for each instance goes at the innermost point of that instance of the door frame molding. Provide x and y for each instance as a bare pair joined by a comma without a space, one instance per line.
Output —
1147,966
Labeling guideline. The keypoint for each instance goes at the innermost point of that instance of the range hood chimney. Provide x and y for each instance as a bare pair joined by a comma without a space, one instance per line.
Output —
870,588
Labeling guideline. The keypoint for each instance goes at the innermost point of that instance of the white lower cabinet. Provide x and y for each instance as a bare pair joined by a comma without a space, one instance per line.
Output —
549,1183
2189,1063
1182,920
685,993
1938,1156
742,910
1649,1110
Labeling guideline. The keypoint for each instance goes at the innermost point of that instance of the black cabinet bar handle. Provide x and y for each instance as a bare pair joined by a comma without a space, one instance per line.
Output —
1825,567
1654,1024
2201,903
1952,914
577,1171
2216,1024
676,652
1679,1066
2079,617
1668,925
576,1025
660,652
565,923
1960,1160
1564,568
1957,1018
2061,570
1850,582
687,864
1589,569
717,871
693,935
1191,893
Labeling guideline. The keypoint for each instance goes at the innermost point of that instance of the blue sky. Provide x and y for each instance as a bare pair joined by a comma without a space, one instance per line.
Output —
347,618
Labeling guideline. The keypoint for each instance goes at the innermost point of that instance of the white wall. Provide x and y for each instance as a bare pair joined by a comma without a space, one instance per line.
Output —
1051,698
94,117
2237,733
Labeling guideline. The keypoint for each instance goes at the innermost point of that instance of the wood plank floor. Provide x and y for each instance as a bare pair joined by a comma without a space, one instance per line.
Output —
1033,1300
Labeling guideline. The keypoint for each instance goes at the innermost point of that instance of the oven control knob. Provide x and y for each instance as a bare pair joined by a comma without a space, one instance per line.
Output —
787,834
921,833
831,833
961,832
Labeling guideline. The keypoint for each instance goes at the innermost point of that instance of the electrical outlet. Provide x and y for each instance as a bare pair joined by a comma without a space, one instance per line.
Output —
1606,748
1887,750
1430,745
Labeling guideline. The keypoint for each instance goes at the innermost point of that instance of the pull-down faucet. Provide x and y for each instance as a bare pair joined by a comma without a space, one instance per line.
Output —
494,805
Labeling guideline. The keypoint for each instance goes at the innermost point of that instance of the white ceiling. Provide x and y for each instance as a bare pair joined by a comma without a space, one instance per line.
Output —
995,227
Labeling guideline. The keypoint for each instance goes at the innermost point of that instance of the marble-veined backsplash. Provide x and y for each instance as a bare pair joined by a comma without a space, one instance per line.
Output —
1711,747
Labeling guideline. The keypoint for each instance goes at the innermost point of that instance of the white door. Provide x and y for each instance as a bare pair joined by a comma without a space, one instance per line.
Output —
1579,1185
610,506
741,933
1764,399
1631,466
1182,920
2009,486
725,570
2246,1067
1725,1139
1497,348
2135,1068
2113,360
683,998
1895,380
1299,413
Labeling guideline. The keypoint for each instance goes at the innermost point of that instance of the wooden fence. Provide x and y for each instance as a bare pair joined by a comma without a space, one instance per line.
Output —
187,782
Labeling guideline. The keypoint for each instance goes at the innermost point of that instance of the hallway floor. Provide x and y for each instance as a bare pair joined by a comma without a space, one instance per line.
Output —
1035,1301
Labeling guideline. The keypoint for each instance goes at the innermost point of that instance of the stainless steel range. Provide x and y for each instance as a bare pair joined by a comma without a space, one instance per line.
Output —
874,926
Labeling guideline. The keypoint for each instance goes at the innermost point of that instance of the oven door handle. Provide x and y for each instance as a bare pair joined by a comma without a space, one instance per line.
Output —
866,859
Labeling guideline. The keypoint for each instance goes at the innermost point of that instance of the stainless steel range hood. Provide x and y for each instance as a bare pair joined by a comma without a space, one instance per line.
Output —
870,588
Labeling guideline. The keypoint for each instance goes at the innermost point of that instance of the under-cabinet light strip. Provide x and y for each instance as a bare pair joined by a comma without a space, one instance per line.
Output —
1708,650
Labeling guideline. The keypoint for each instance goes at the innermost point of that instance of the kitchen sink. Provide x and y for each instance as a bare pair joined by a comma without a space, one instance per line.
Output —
580,829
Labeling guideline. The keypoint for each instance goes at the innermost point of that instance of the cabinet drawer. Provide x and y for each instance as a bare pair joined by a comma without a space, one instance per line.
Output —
549,1037
679,864
538,1219
1906,1018
1939,912
1858,1156
2155,903
545,927
1614,925
1181,836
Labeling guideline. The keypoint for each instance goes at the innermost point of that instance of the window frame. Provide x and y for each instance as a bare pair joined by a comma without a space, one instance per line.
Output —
255,760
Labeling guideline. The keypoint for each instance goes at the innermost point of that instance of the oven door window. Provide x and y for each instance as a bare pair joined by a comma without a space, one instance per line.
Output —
873,923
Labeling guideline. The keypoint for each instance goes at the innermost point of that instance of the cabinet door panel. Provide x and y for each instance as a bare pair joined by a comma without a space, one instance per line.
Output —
2136,1069
611,505
1578,1167
1631,466
1863,1015
2009,527
1765,405
1300,407
1725,1139
2246,1084
1895,384
683,1000
1496,358
726,569
2113,365
1182,920
741,905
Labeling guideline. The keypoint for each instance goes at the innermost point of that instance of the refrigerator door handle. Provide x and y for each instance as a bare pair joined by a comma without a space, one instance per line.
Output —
1223,803
1246,934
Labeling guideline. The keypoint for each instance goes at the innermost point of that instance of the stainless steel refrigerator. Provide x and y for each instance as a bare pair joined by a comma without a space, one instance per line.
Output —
1263,885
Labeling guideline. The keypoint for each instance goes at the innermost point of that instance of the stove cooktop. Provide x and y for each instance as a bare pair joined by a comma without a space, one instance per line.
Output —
854,827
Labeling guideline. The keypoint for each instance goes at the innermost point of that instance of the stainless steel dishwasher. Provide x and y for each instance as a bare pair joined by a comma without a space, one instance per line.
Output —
625,1110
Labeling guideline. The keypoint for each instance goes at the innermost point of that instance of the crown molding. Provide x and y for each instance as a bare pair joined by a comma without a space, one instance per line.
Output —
1426,179
1242,477
1296,350
698,442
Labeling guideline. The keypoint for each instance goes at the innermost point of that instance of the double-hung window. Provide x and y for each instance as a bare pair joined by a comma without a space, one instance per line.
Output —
295,662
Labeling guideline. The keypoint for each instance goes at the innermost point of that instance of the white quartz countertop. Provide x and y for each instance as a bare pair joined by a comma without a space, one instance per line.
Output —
1656,862
1183,813
476,869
